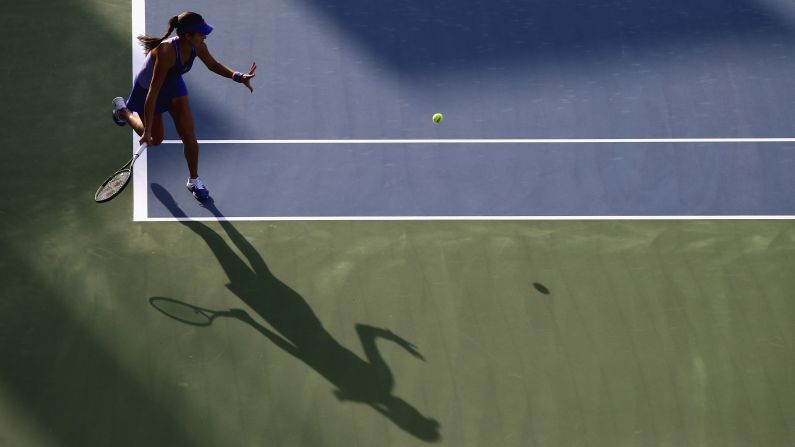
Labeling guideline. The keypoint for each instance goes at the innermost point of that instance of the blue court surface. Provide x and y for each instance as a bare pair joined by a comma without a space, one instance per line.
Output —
658,108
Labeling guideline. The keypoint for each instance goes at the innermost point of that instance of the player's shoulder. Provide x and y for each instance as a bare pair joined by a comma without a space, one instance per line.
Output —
164,50
165,47
202,48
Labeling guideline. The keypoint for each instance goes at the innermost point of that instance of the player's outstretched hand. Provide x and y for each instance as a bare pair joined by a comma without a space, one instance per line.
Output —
247,77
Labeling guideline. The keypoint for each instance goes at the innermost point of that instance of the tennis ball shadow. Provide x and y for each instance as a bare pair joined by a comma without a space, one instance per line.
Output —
541,288
293,326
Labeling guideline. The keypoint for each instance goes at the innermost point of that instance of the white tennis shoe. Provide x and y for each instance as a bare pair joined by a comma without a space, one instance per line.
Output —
196,186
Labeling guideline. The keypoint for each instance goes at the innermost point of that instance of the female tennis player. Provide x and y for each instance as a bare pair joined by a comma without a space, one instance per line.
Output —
158,87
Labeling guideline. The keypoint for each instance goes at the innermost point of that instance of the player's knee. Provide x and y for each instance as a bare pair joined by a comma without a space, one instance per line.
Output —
157,137
187,133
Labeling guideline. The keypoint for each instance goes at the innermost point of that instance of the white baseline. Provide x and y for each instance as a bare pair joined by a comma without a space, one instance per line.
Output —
502,141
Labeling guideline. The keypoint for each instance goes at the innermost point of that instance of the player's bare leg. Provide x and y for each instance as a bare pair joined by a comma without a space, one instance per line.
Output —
138,125
183,121
122,115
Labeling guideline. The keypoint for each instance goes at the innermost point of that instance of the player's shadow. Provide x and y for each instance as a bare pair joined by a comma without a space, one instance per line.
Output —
297,330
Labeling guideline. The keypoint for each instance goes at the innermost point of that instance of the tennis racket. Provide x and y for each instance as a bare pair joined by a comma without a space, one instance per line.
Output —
187,313
116,183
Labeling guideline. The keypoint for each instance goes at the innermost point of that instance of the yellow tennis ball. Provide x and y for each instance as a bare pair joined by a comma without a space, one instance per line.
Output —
438,118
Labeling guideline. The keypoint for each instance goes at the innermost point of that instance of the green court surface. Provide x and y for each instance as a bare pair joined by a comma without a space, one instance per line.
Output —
525,333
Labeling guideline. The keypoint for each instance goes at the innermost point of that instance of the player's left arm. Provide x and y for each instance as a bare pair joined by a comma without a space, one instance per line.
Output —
222,70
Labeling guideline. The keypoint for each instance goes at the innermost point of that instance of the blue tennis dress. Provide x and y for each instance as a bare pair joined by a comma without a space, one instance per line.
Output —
173,87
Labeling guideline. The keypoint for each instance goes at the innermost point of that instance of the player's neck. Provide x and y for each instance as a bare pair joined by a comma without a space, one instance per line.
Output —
184,44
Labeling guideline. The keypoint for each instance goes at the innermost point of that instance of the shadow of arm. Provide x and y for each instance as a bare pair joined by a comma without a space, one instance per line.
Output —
277,339
368,334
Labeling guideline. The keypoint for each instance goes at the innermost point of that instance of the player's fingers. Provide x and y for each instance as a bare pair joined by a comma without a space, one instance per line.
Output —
253,67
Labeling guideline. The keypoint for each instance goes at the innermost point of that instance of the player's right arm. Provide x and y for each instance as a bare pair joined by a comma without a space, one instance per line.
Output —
165,58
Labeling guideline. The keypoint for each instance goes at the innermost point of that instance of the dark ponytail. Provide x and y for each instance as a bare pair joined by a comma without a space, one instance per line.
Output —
150,42
185,19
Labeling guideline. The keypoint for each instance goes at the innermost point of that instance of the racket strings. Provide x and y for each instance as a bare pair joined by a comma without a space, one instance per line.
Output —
113,186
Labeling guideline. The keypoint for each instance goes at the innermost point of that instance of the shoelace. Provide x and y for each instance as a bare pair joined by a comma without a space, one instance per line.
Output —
197,184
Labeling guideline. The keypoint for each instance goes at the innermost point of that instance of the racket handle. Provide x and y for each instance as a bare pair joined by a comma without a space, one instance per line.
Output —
139,152
141,149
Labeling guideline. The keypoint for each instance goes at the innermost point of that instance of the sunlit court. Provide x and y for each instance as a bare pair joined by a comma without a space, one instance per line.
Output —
357,222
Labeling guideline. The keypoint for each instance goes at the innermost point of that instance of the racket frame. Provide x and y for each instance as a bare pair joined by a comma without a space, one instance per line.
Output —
127,167
168,307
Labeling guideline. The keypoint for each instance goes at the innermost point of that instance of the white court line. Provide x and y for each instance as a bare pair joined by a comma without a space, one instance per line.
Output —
456,218
140,175
502,141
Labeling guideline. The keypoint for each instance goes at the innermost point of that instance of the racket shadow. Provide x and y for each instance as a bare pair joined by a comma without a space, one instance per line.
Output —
293,326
